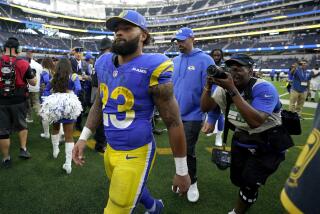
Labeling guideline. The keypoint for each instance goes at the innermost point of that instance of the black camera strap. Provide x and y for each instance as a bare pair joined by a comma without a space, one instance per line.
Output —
247,96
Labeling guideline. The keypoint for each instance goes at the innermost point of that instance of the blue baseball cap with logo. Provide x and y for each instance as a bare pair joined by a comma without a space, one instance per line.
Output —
183,34
131,16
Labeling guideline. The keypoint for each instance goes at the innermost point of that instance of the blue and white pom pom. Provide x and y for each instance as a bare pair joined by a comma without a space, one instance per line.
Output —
59,106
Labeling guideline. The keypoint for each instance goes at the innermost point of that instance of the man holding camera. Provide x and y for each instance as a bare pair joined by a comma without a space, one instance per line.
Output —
252,106
15,74
189,78
299,88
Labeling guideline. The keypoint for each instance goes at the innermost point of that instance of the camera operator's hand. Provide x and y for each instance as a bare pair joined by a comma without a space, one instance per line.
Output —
209,82
207,128
226,83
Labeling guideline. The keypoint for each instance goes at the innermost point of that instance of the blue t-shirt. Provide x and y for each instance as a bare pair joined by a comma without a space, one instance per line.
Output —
127,104
300,80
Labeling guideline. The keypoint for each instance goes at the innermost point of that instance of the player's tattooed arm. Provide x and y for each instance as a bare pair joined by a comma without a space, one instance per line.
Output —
169,111
95,114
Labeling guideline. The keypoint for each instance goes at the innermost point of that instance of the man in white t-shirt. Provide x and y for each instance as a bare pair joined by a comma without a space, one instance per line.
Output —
33,99
315,83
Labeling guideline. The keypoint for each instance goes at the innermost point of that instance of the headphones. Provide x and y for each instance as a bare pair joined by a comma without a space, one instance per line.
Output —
12,42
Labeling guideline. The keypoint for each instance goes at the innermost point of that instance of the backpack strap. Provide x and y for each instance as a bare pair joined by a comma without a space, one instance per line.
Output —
247,96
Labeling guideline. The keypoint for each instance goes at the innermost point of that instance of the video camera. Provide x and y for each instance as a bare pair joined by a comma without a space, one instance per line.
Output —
217,72
221,157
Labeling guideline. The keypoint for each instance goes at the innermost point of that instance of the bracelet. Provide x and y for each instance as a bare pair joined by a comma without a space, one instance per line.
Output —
181,166
232,93
85,134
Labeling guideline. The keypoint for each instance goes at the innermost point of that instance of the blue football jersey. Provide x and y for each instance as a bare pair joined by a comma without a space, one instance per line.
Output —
127,104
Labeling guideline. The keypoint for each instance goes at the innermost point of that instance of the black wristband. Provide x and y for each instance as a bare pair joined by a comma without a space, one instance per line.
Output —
231,93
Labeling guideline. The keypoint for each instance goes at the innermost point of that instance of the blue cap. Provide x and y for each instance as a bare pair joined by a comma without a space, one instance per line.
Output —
241,59
88,56
183,34
130,16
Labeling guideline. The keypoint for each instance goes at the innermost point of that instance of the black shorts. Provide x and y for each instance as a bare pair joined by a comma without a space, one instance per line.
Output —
252,169
13,118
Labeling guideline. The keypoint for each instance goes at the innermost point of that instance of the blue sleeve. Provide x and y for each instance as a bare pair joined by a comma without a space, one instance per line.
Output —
77,85
265,97
214,115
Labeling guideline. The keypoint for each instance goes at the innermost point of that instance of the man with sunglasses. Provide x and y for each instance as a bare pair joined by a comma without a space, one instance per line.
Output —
259,141
189,78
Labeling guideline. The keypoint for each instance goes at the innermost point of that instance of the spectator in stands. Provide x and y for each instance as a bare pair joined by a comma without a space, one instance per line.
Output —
299,87
259,141
80,67
315,84
189,78
33,98
15,74
215,116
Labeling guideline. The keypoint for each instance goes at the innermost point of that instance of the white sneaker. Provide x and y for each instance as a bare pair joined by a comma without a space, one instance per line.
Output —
232,212
46,136
67,168
29,120
193,193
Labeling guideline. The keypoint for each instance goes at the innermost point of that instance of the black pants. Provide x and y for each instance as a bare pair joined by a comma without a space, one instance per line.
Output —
192,130
252,169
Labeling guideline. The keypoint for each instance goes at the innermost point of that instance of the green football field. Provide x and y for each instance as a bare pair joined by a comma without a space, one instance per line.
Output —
39,185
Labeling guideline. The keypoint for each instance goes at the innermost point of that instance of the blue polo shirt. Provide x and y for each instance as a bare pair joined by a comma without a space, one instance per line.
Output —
300,80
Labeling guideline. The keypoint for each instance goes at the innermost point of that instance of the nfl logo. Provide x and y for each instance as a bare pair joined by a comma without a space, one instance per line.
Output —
115,73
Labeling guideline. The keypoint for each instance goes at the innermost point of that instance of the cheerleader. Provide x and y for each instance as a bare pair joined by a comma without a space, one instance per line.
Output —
62,106
45,77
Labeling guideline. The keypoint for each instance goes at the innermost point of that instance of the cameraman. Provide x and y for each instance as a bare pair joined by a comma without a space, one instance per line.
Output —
15,74
259,140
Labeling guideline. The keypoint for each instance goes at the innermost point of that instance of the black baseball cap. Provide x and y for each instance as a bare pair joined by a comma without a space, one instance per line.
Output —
241,59
105,44
78,49
12,42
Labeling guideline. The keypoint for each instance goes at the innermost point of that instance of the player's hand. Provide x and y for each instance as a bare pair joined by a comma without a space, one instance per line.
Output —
207,128
77,152
181,184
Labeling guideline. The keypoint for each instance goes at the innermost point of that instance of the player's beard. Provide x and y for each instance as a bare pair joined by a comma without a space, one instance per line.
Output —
123,47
